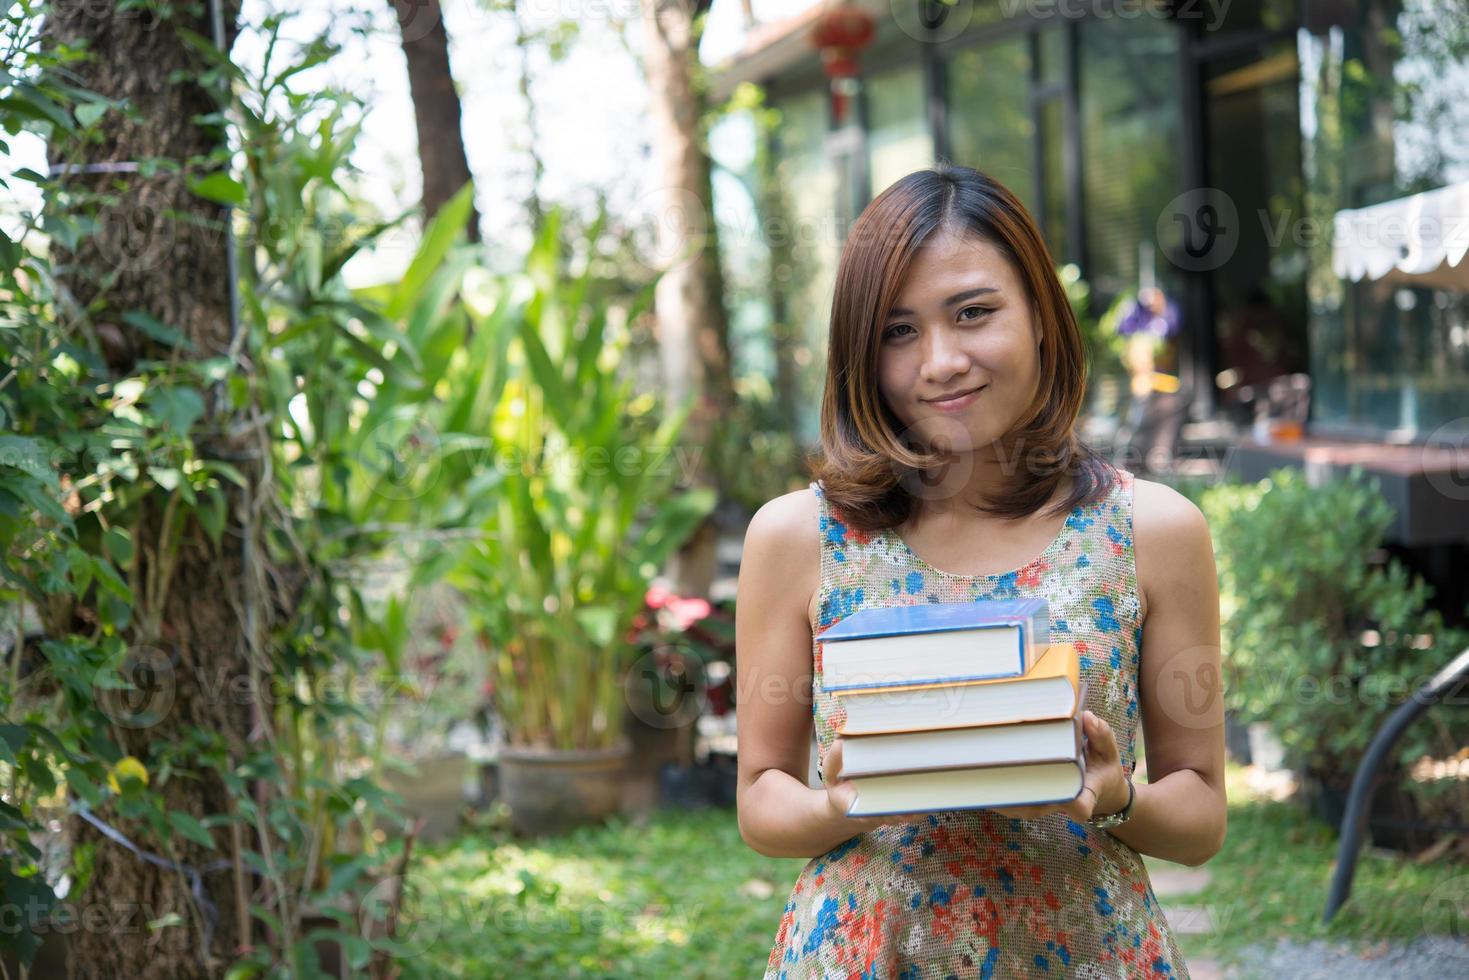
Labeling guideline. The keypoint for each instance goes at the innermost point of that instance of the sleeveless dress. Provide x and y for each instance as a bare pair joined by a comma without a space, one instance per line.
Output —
972,893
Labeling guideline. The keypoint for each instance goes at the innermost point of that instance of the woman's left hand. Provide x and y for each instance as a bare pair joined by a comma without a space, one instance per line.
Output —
1104,788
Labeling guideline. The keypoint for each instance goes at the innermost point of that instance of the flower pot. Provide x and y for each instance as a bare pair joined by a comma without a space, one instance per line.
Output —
550,791
1391,817
433,792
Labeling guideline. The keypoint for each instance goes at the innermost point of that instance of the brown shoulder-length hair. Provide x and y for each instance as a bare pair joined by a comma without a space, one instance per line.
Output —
863,463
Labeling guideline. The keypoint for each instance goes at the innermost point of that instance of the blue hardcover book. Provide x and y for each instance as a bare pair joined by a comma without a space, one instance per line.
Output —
934,643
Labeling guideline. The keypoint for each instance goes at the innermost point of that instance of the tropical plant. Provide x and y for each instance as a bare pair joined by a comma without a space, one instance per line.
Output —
589,509
350,415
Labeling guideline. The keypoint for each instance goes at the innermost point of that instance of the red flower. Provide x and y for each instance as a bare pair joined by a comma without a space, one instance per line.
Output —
1030,575
681,613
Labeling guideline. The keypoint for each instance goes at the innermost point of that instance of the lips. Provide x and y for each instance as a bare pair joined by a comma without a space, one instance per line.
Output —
962,396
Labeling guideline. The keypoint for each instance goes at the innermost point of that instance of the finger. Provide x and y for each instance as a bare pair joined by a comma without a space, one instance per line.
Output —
1098,728
832,765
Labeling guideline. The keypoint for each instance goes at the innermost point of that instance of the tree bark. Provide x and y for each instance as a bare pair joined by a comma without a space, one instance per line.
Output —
436,108
692,329
160,250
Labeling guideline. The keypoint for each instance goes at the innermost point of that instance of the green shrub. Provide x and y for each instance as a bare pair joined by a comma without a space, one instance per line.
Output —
1302,597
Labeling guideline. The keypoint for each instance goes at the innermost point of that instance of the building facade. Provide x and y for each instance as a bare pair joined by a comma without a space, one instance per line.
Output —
1293,173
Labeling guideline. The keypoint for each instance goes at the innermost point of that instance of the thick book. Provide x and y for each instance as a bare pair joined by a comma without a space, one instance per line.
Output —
936,642
927,790
1050,689
962,748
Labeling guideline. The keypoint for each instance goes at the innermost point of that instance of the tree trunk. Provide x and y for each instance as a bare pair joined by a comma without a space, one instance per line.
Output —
161,250
436,109
693,333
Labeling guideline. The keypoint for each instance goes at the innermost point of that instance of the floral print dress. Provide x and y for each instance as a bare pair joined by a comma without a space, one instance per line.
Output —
972,893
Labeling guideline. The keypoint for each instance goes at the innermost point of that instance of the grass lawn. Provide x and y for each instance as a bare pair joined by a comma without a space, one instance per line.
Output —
684,896
1271,878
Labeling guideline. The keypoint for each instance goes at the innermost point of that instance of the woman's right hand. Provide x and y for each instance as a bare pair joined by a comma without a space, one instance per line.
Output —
841,792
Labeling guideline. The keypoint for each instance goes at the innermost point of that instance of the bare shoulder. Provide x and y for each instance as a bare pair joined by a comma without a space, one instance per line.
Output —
783,547
1170,538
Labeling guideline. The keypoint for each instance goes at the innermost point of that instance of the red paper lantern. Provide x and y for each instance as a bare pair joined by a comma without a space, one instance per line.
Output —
840,33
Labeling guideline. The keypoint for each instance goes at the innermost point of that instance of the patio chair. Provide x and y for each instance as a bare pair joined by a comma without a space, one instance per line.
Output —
1359,799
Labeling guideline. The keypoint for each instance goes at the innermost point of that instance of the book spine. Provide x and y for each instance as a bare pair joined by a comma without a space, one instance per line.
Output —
911,682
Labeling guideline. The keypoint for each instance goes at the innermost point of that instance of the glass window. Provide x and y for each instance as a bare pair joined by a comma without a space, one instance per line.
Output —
990,123
1387,175
744,255
898,139
1051,41
1129,148
1051,115
804,230
1252,126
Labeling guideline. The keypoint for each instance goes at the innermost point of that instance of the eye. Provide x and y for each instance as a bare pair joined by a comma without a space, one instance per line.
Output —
979,311
892,332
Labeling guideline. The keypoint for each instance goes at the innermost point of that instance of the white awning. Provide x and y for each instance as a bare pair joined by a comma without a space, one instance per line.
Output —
1420,240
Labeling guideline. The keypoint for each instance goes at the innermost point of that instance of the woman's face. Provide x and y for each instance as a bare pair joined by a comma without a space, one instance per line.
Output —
962,321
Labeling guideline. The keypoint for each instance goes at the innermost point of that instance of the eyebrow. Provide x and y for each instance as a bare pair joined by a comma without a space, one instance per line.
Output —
956,298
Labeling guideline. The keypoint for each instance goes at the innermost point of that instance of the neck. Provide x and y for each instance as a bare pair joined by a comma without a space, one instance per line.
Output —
956,487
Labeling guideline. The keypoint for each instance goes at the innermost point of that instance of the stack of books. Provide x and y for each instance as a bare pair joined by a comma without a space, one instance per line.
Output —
955,706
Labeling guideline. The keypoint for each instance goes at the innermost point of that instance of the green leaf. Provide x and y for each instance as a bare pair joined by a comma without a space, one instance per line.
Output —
191,828
13,737
212,515
29,456
89,112
599,622
119,544
438,238
177,408
156,329
220,186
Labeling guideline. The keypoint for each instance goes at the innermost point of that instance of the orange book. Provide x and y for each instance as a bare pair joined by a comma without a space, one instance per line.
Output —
1050,689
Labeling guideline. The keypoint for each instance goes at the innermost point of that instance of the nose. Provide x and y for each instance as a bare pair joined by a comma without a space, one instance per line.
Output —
943,356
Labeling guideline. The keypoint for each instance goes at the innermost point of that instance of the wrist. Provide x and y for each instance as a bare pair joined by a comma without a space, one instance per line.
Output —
1120,794
1107,819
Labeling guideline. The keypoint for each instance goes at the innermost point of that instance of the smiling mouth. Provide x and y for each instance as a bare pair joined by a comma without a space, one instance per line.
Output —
955,397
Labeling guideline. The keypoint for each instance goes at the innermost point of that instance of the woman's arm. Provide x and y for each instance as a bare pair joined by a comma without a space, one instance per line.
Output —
779,814
1180,813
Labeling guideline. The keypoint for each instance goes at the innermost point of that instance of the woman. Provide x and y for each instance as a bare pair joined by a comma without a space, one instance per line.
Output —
951,472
